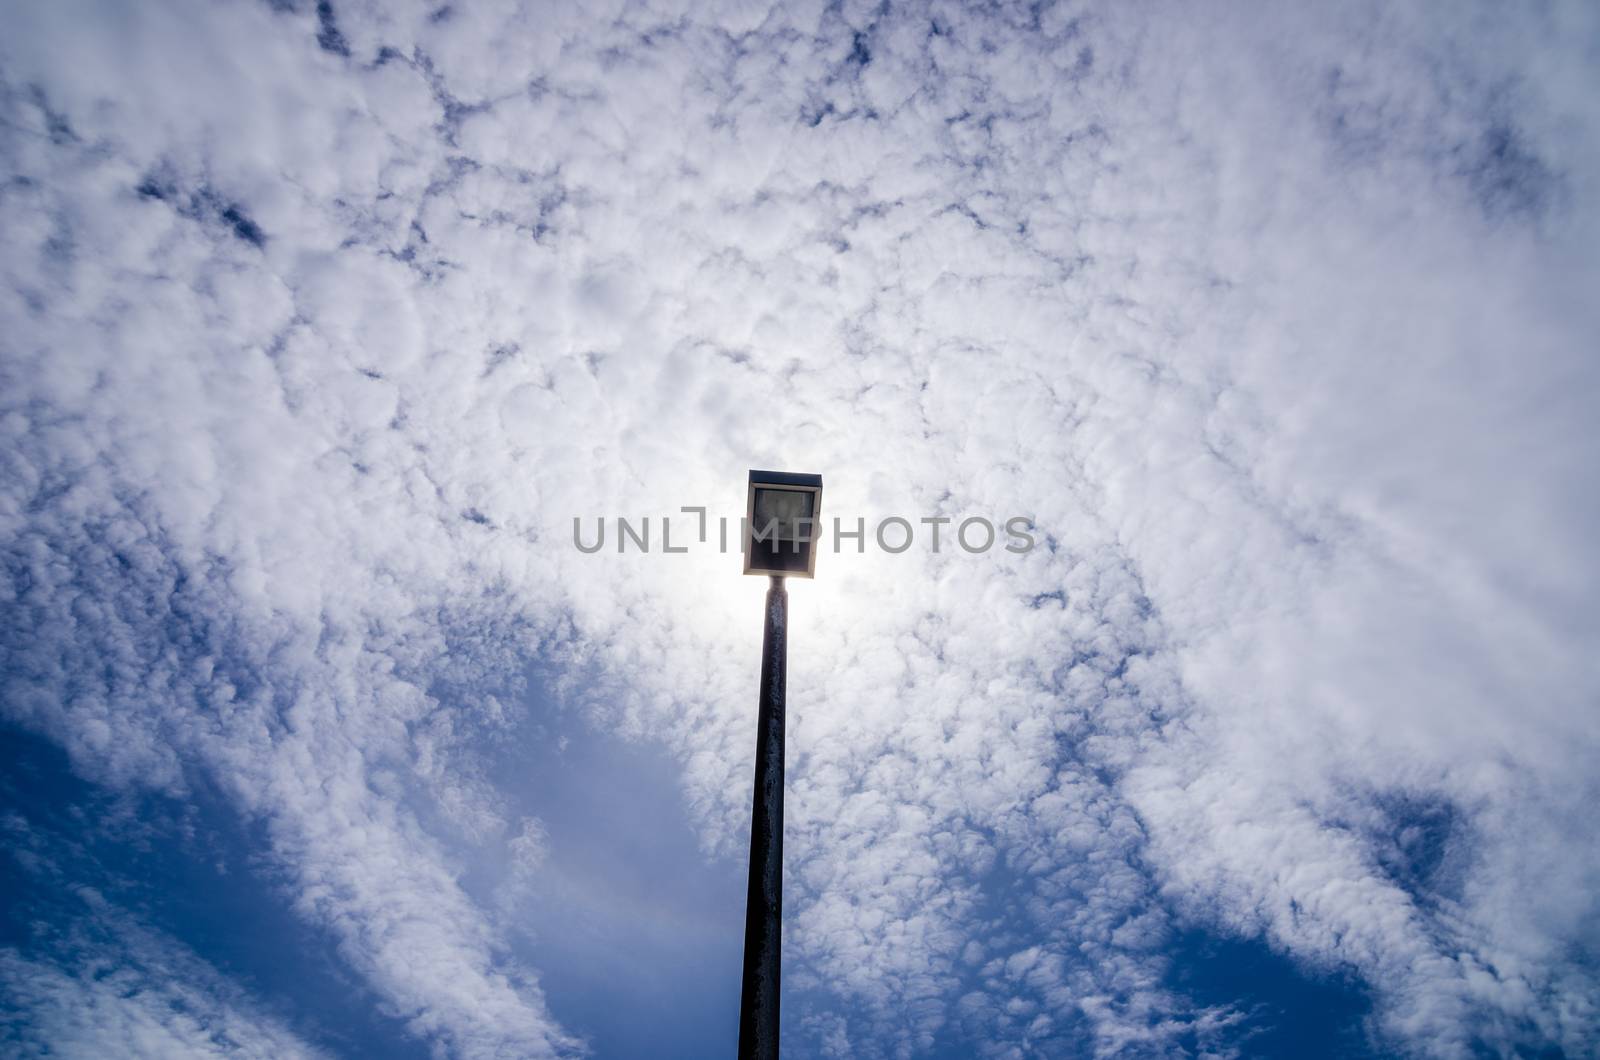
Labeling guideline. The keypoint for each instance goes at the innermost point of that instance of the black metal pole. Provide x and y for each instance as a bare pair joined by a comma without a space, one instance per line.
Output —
763,910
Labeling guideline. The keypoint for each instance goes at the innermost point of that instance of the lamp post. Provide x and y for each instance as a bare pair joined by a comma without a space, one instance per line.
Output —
780,541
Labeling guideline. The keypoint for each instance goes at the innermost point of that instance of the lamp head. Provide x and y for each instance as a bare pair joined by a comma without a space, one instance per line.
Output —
782,520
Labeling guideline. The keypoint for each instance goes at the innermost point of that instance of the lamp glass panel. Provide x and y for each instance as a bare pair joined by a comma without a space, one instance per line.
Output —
790,510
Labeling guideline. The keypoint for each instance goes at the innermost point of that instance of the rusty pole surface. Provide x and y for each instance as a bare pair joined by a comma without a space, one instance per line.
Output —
763,911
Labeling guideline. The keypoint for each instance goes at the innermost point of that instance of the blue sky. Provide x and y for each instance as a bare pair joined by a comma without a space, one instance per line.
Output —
321,323
639,947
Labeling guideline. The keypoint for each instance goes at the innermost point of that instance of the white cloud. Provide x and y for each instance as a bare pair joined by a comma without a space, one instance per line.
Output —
114,988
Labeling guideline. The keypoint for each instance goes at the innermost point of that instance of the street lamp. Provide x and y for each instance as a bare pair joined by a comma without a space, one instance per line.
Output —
782,514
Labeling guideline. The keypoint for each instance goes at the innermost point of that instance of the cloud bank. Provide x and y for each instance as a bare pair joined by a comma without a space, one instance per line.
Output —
322,322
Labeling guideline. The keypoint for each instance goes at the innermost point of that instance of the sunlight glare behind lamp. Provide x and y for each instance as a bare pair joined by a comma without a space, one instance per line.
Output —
782,516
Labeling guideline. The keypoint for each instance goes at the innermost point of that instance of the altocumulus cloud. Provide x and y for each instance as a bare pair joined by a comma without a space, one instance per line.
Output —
322,321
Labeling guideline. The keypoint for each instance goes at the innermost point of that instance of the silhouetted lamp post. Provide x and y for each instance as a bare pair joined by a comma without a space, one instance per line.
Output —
783,512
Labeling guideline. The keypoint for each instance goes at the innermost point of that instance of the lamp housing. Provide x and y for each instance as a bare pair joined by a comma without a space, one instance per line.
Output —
783,513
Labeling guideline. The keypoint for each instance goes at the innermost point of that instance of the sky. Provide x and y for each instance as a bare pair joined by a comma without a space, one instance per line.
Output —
322,324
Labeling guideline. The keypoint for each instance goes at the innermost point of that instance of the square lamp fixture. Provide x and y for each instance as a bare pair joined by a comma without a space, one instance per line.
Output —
782,524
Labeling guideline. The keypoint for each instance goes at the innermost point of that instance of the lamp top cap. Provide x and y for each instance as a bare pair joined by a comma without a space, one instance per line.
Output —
784,478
